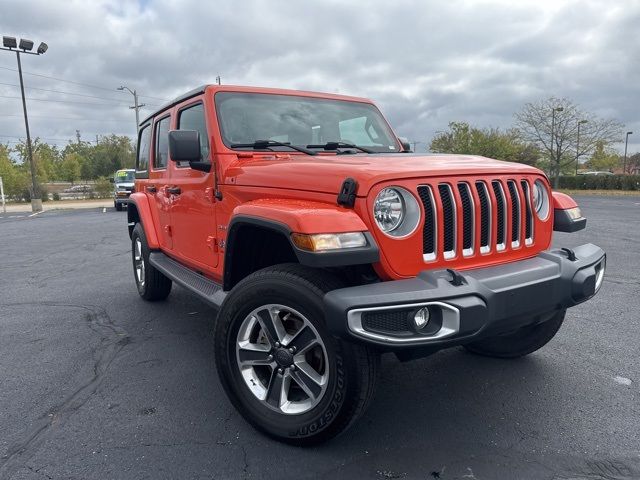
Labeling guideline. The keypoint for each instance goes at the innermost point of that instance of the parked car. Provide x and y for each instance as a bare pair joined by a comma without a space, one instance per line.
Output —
595,173
79,189
322,241
122,187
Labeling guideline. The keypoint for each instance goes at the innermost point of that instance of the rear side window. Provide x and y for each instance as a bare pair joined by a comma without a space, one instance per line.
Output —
144,144
192,118
162,143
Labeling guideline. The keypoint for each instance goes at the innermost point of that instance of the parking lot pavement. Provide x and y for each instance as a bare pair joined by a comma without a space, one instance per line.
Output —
98,384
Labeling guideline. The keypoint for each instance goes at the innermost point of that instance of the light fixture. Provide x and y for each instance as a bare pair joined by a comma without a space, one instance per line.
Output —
43,47
321,242
26,45
421,318
9,42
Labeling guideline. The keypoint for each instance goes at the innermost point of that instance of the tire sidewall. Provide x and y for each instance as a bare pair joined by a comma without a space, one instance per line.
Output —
138,232
250,296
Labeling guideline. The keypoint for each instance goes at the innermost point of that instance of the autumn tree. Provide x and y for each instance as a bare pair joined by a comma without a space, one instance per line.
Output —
461,138
537,120
70,167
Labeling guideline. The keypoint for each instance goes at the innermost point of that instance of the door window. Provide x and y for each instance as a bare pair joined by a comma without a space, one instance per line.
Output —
144,144
192,118
162,143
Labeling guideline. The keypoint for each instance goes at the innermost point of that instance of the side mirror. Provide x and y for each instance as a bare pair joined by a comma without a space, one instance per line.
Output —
184,146
406,146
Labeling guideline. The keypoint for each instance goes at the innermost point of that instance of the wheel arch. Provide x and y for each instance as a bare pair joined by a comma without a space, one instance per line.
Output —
139,211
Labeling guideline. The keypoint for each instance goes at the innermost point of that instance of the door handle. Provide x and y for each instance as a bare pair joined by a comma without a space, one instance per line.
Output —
151,189
173,190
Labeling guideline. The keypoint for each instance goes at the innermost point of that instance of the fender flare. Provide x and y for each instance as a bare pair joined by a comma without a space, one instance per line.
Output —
141,203
289,216
562,220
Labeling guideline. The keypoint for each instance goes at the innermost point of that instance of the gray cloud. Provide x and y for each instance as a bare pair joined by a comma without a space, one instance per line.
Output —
424,63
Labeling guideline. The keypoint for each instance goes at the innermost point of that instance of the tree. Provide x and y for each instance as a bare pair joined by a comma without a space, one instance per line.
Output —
70,167
507,145
633,164
603,159
15,180
535,122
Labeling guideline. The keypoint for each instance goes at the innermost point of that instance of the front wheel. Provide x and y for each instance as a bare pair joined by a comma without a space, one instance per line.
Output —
281,367
521,342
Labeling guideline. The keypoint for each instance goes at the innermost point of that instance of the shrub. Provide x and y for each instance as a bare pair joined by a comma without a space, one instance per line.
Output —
601,182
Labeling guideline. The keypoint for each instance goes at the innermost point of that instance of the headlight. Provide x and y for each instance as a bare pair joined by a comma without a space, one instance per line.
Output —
396,212
541,200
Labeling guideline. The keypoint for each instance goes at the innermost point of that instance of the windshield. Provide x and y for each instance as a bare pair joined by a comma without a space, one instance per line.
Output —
125,176
248,117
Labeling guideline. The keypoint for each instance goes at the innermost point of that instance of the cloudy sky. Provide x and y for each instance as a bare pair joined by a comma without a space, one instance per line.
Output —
425,63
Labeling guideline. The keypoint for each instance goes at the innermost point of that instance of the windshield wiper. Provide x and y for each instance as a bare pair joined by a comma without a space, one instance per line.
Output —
266,144
337,145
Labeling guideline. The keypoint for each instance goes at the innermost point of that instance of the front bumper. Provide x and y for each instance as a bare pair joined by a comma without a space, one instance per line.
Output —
121,199
466,306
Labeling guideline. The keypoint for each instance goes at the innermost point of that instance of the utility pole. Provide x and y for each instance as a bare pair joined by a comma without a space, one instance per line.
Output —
96,139
78,136
136,106
218,80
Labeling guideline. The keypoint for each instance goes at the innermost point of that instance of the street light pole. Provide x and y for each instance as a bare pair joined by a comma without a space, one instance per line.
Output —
626,141
136,105
578,144
11,44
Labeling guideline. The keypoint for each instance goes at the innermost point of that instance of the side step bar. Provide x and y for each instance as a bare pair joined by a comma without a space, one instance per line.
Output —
208,290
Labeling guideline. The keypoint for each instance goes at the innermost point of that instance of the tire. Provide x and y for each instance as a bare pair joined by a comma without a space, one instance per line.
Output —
291,295
118,206
522,342
152,284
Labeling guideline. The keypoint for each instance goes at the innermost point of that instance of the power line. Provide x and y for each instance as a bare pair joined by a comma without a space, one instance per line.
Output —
68,101
65,93
77,83
79,119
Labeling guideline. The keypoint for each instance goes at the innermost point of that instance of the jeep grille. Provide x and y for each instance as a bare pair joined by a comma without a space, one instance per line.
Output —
475,218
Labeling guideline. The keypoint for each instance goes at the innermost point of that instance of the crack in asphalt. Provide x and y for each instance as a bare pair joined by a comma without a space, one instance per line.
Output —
112,340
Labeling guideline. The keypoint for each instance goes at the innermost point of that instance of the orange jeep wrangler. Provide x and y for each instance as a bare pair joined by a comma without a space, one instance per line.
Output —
322,241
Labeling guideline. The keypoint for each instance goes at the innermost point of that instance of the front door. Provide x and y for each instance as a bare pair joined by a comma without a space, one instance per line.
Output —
193,206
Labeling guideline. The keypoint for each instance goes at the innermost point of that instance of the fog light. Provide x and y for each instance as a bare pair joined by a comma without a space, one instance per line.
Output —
600,268
421,318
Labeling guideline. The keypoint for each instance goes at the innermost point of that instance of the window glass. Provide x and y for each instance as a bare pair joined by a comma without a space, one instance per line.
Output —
192,118
247,117
162,143
142,162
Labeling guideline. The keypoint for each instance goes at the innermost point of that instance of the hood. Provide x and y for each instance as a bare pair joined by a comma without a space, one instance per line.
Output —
325,173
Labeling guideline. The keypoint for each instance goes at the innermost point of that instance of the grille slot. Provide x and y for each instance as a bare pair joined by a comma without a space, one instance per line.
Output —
501,214
429,228
468,218
450,223
485,217
516,225
528,219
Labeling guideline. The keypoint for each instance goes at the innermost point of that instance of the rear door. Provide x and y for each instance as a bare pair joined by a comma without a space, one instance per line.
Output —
193,209
156,188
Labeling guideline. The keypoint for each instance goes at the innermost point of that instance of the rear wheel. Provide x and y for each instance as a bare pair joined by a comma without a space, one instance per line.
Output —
118,206
152,284
521,342
281,367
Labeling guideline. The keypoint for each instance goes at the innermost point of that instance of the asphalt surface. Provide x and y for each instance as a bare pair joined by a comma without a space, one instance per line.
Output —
98,384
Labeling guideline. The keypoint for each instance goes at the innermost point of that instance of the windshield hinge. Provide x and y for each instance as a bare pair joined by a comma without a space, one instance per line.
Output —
347,195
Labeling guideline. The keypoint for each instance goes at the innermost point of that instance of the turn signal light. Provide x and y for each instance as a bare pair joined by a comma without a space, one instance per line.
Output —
322,242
